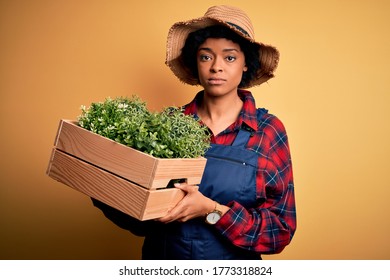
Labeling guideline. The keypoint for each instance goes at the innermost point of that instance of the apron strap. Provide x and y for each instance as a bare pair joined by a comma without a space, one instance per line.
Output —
242,137
246,132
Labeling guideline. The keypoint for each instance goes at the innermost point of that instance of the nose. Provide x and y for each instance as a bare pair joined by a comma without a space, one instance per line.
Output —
216,66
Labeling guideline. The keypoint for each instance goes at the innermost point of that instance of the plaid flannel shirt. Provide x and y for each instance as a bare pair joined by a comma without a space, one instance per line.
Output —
270,226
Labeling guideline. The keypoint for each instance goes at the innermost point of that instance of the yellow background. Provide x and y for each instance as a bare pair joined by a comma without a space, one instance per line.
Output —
331,91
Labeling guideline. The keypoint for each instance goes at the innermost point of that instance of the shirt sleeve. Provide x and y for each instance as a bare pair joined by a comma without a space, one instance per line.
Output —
269,227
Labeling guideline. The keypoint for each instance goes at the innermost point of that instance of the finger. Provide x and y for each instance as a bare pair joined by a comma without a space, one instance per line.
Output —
187,188
170,218
172,215
166,219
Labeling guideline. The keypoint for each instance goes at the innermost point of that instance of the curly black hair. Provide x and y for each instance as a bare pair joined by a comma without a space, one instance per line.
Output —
198,37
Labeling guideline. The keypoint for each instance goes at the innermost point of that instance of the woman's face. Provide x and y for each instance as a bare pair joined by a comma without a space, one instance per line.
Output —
221,64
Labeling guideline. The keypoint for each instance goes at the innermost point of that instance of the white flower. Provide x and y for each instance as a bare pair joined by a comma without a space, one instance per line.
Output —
122,106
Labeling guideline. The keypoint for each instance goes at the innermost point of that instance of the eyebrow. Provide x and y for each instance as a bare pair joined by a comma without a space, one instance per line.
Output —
224,50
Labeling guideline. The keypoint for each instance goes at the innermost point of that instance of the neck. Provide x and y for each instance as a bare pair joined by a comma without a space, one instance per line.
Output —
218,113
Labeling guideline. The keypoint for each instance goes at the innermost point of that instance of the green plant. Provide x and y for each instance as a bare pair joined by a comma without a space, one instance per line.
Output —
166,134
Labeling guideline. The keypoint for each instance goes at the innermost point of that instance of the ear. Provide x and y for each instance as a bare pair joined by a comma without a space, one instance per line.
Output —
245,69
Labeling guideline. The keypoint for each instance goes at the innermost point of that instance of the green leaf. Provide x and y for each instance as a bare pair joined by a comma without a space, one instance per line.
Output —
166,134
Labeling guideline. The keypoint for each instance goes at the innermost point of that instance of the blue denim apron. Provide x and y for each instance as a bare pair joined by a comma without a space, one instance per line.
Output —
230,174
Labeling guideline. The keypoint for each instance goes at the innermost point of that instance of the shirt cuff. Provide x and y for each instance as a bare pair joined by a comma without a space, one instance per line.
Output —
235,216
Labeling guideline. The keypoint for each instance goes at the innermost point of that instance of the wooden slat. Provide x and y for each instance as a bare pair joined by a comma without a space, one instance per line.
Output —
161,201
189,169
105,153
138,167
97,183
117,192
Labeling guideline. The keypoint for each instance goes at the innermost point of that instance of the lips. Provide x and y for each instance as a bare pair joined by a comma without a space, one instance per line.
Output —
216,81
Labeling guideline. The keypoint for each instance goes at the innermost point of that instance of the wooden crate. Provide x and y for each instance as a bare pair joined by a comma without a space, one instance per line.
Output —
127,179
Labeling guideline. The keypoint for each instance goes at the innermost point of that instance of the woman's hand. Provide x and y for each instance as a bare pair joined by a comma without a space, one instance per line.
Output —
194,204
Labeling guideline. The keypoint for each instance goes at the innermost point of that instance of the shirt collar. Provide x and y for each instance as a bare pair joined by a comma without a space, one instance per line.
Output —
248,114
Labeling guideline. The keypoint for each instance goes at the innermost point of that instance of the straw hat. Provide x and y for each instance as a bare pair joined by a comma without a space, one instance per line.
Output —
231,17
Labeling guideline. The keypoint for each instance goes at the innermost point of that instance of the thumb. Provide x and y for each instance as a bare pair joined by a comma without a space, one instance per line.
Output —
187,188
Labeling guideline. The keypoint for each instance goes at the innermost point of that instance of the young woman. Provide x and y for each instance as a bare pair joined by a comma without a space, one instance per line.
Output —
245,205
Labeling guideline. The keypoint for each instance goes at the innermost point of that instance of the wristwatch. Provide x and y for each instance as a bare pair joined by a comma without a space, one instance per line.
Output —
213,217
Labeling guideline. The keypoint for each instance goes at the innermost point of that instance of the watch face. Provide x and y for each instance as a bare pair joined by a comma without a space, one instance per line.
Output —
213,217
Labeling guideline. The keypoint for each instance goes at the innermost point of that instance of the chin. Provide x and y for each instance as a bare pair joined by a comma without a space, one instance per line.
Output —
217,91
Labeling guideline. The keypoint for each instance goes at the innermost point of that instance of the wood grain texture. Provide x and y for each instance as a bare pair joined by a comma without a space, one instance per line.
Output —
124,178
117,192
138,167
105,153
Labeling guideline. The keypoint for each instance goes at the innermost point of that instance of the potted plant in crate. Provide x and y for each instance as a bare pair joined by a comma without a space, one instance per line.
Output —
124,155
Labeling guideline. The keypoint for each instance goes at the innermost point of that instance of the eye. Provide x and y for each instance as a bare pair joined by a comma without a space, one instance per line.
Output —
230,58
204,57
